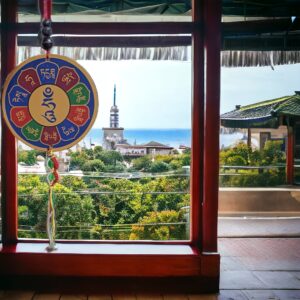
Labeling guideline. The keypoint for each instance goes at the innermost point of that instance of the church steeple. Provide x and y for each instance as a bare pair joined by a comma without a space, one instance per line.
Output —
114,112
115,94
113,135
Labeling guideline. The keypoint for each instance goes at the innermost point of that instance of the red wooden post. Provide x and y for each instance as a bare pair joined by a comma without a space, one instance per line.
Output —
212,29
8,146
197,125
290,156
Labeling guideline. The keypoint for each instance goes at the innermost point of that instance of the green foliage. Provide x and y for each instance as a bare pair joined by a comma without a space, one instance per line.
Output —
186,159
73,183
142,163
164,225
117,168
241,155
159,166
236,160
95,165
71,208
109,157
272,153
27,156
78,159
105,208
95,207
164,158
253,178
241,150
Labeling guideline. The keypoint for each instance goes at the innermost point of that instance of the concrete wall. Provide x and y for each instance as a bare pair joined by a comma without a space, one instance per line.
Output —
261,201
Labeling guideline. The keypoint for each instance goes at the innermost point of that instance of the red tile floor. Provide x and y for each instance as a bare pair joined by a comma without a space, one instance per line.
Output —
260,268
261,260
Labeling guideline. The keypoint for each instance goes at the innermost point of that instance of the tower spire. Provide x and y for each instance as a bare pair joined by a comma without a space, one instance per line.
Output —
115,96
114,112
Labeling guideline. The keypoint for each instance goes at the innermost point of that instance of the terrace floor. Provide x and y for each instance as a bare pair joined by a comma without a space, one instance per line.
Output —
264,267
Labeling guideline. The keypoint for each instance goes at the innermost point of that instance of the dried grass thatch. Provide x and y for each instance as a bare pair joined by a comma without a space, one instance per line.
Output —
180,53
259,58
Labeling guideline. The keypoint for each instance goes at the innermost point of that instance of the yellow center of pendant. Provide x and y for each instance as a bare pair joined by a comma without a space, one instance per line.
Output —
49,105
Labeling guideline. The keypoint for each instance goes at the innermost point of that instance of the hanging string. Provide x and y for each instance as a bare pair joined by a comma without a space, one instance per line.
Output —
51,165
46,29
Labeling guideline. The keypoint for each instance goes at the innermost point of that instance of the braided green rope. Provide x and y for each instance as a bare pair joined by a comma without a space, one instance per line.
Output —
52,178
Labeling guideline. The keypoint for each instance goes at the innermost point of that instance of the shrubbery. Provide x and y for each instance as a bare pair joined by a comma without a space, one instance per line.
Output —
242,156
105,208
95,207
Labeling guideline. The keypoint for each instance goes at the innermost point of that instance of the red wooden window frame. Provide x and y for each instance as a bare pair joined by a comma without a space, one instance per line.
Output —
193,264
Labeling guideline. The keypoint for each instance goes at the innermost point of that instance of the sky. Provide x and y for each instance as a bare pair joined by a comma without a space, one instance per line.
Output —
157,94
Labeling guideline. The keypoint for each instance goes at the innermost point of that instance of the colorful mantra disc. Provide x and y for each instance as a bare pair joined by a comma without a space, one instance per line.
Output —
49,103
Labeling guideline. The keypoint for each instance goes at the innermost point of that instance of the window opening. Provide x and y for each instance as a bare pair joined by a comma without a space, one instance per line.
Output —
129,179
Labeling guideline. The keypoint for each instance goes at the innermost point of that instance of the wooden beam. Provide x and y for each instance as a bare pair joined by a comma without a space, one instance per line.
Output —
197,127
245,35
247,8
280,42
290,156
249,43
229,29
118,28
212,19
258,27
108,41
8,145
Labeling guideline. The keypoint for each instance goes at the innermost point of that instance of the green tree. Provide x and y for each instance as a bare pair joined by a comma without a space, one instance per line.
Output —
164,225
73,182
159,166
272,153
77,160
97,151
95,165
236,160
176,164
27,156
142,163
110,157
118,167
72,210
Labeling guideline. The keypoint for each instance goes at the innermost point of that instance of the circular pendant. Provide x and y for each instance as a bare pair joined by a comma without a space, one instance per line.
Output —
49,103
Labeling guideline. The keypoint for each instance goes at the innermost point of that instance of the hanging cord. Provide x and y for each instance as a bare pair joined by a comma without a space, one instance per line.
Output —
45,32
51,165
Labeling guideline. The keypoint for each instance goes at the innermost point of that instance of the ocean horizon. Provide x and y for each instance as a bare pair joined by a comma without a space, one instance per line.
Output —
170,137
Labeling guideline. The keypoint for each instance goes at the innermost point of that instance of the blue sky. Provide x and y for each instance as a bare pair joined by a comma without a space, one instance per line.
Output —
157,94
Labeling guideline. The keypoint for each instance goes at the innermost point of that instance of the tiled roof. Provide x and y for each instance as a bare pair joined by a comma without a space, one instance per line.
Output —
154,144
262,114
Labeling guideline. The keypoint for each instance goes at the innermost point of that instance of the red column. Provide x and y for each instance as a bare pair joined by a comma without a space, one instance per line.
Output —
197,125
8,143
212,19
290,156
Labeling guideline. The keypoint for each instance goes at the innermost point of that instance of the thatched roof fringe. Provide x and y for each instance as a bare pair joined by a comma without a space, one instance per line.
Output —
259,58
180,53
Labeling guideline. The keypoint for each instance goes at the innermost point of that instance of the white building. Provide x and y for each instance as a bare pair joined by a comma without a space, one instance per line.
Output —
151,148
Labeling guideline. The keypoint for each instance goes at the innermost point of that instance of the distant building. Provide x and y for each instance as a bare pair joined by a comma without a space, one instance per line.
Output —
183,148
151,148
113,138
114,134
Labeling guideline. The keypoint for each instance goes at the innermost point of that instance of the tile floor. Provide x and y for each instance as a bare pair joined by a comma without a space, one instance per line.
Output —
251,268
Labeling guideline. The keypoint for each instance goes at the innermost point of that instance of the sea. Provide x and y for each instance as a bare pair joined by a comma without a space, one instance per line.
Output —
169,137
